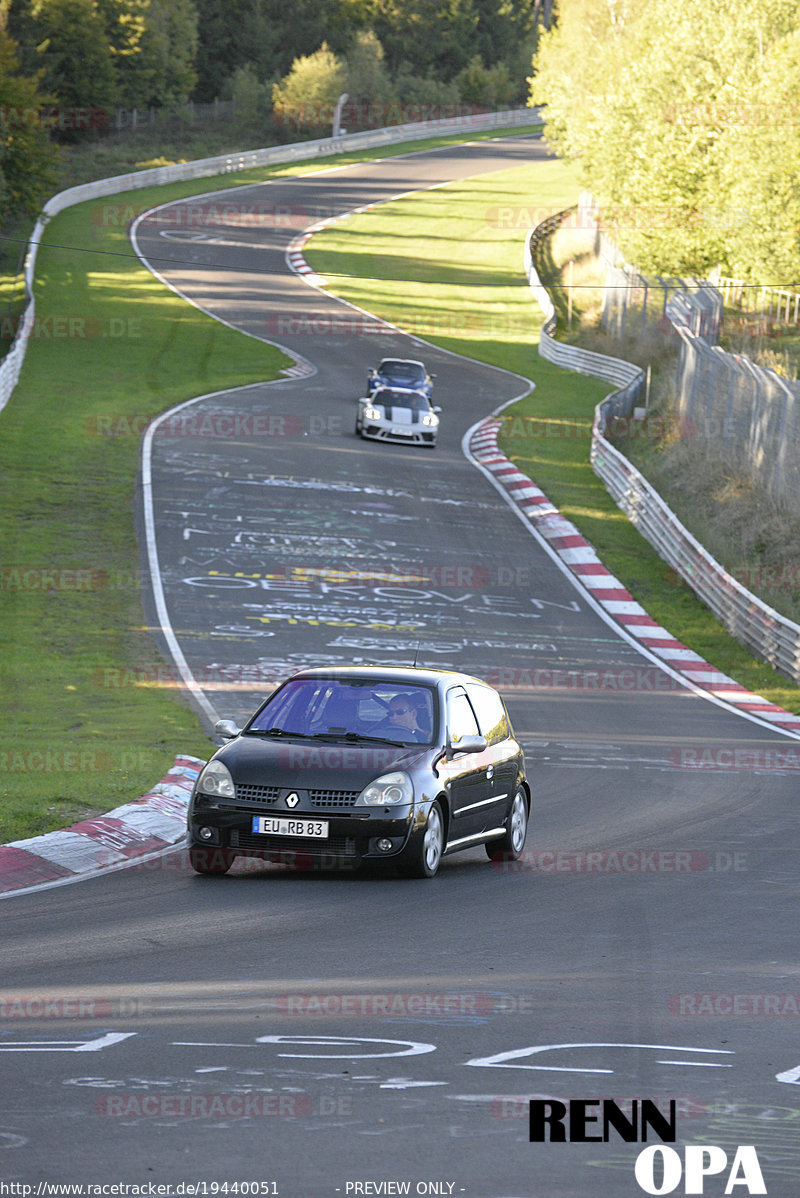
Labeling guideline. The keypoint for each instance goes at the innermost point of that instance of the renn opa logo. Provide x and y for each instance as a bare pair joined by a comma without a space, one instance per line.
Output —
659,1169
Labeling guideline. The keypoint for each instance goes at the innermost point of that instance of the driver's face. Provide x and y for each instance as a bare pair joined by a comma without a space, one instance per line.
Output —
402,714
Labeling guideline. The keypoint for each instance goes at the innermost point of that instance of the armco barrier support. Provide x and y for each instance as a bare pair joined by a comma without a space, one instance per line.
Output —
771,636
226,164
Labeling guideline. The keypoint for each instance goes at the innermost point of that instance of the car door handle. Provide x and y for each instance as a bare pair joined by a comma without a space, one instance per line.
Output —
490,773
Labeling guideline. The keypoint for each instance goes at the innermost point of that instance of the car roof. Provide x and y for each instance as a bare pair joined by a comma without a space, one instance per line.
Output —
401,362
417,675
392,390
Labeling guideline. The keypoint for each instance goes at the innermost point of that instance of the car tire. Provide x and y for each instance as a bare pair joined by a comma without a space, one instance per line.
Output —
208,860
424,852
509,847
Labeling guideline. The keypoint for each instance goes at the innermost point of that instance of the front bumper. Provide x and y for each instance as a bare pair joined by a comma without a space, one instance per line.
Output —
352,837
376,431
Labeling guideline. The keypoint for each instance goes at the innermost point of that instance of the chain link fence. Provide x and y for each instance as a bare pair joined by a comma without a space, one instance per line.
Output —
749,411
758,415
128,120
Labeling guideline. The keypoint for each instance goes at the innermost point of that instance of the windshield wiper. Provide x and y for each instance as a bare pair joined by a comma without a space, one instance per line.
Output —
358,738
278,732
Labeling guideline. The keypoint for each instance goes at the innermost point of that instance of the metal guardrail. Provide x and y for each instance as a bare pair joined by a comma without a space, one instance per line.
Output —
571,357
771,636
225,164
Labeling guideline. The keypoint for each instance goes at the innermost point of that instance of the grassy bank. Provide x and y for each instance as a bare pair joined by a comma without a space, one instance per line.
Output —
93,718
81,677
456,279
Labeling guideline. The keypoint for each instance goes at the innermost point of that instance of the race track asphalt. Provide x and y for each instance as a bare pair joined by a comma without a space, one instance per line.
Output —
325,1031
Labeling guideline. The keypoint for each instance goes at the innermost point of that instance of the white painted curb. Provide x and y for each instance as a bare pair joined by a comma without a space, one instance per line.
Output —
124,836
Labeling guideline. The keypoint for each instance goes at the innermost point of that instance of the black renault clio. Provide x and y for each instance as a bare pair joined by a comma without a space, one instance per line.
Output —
364,764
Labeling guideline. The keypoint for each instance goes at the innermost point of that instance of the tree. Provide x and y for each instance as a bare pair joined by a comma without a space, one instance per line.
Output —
74,53
759,165
252,98
308,94
27,157
505,35
263,33
436,37
124,24
169,49
153,45
231,34
366,75
488,88
639,91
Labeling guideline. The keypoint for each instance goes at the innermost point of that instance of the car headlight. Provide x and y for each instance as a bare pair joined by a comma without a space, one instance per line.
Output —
371,413
431,419
387,791
216,779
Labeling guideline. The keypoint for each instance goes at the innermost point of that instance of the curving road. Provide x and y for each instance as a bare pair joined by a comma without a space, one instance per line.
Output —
316,1034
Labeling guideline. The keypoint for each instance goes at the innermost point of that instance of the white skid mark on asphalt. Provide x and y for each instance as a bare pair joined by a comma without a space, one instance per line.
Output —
67,1045
406,1083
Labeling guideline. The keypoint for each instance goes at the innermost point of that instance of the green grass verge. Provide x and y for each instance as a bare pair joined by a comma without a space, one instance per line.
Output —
90,725
82,167
90,721
447,265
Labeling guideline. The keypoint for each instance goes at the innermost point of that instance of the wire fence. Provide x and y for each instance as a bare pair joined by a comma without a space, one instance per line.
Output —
635,302
750,411
129,120
765,305
773,637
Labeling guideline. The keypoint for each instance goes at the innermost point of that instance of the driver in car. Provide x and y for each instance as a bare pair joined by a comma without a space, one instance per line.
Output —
401,721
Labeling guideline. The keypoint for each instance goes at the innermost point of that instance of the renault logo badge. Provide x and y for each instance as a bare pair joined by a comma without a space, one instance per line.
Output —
293,799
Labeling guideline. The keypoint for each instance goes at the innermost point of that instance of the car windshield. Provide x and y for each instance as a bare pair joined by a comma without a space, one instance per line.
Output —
344,710
411,400
407,372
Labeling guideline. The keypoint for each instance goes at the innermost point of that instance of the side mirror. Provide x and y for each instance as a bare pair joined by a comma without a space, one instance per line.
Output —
437,409
466,744
226,729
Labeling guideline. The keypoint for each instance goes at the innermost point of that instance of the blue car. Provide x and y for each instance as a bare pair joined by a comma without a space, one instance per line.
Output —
401,372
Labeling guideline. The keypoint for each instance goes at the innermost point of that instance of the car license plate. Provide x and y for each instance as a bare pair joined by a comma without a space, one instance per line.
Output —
402,432
313,828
